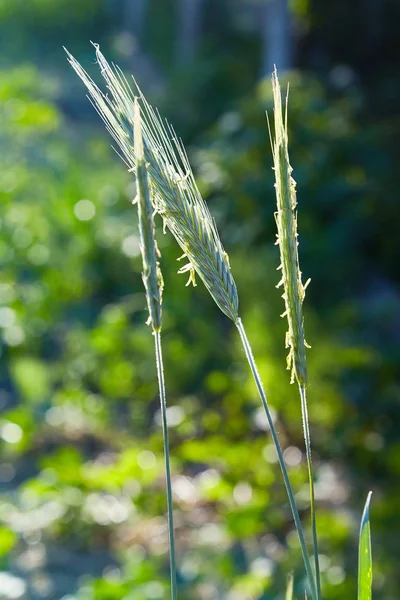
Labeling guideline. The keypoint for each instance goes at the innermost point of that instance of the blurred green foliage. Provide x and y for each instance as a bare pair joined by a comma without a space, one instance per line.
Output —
81,471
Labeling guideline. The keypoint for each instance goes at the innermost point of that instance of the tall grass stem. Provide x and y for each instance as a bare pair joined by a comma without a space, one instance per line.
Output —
161,384
291,281
307,440
153,284
281,460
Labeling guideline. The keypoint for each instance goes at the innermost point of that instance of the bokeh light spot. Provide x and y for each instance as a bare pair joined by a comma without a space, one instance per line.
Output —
11,432
84,210
130,246
146,460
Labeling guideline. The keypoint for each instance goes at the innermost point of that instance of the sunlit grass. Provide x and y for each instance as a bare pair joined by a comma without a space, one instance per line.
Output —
173,193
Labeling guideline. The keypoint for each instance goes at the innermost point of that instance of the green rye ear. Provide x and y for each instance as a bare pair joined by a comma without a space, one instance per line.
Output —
287,239
174,193
293,288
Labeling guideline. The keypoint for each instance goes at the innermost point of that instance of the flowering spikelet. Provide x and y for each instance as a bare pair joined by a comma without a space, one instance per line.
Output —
286,220
174,192
152,276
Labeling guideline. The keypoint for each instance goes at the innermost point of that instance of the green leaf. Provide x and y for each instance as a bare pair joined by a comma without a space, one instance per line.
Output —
365,556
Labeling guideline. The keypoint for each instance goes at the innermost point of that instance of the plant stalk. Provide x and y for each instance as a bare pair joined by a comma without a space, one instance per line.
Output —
163,404
153,284
294,290
281,460
307,440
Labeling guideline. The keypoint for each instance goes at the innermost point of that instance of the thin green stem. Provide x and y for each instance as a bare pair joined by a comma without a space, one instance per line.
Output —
161,384
153,285
307,439
281,460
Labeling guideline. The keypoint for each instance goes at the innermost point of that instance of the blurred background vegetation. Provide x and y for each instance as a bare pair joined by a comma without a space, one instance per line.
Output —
81,472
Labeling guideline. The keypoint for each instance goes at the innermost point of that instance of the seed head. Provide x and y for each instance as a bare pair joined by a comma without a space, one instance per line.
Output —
286,220
152,276
174,193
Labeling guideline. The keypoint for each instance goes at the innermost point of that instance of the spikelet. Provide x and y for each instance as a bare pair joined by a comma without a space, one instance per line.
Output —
174,192
152,276
286,220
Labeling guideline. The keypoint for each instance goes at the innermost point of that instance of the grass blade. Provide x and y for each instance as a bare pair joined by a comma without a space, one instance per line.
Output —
289,588
365,555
